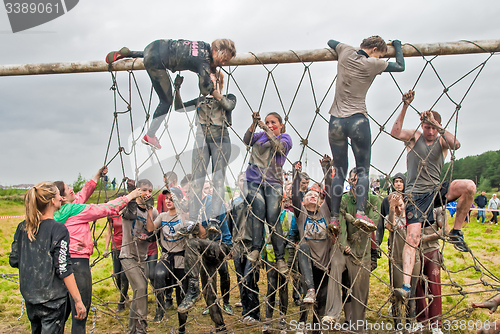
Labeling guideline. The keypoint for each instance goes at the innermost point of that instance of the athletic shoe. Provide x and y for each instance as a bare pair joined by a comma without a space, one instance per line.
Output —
238,304
436,330
153,142
402,294
159,315
297,302
328,319
192,296
249,321
121,307
282,324
457,238
334,226
301,328
310,297
117,55
213,226
282,267
228,309
364,223
253,256
206,311
267,327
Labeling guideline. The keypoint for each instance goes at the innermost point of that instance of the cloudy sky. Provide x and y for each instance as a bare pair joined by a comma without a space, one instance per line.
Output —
56,126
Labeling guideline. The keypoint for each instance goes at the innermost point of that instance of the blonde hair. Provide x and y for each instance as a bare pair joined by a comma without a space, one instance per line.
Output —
36,201
224,46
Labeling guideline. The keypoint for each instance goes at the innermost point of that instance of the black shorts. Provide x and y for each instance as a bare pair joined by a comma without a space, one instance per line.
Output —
420,206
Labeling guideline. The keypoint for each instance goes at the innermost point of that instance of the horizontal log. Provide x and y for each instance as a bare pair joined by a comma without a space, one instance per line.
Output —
278,57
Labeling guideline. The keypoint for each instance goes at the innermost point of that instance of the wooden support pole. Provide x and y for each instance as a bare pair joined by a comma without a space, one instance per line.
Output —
326,54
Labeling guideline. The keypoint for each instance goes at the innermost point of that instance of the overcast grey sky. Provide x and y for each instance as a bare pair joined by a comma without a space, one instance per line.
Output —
56,126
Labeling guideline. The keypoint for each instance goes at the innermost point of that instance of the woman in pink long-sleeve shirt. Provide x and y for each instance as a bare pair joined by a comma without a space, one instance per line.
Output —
76,216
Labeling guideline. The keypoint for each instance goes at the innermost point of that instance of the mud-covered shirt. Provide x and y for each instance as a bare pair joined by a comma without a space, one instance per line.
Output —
266,163
195,56
43,263
355,74
312,228
132,246
212,112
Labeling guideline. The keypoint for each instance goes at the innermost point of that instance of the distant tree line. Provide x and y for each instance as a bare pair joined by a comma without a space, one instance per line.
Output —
484,169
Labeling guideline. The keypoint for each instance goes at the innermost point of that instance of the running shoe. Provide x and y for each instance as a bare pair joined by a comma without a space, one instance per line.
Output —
153,142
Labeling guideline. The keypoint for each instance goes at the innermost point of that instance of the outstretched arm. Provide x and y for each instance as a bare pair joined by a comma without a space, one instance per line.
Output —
327,166
399,65
247,139
296,189
397,129
448,141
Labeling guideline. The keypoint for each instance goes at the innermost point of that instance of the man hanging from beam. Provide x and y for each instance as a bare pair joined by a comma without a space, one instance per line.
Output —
426,150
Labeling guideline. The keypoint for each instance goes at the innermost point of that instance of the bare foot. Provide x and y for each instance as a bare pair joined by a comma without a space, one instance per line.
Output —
490,304
494,328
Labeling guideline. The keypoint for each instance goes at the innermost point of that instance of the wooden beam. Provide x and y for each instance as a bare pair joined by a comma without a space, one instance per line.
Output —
326,54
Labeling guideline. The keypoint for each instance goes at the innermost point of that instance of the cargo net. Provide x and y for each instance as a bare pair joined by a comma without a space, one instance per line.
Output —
304,108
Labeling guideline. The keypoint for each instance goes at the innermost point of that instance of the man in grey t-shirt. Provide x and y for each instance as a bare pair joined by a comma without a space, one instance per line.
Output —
426,150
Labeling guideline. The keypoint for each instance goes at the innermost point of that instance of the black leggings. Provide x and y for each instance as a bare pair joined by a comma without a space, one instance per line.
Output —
120,277
320,281
83,278
169,278
160,79
276,283
357,128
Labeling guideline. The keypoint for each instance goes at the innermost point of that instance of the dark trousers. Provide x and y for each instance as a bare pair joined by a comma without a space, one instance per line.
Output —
432,269
46,320
357,128
320,280
494,218
151,261
121,280
213,254
293,264
83,278
166,276
265,200
276,283
211,143
249,290
225,281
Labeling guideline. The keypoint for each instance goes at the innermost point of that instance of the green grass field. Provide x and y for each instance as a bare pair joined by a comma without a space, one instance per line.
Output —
483,240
